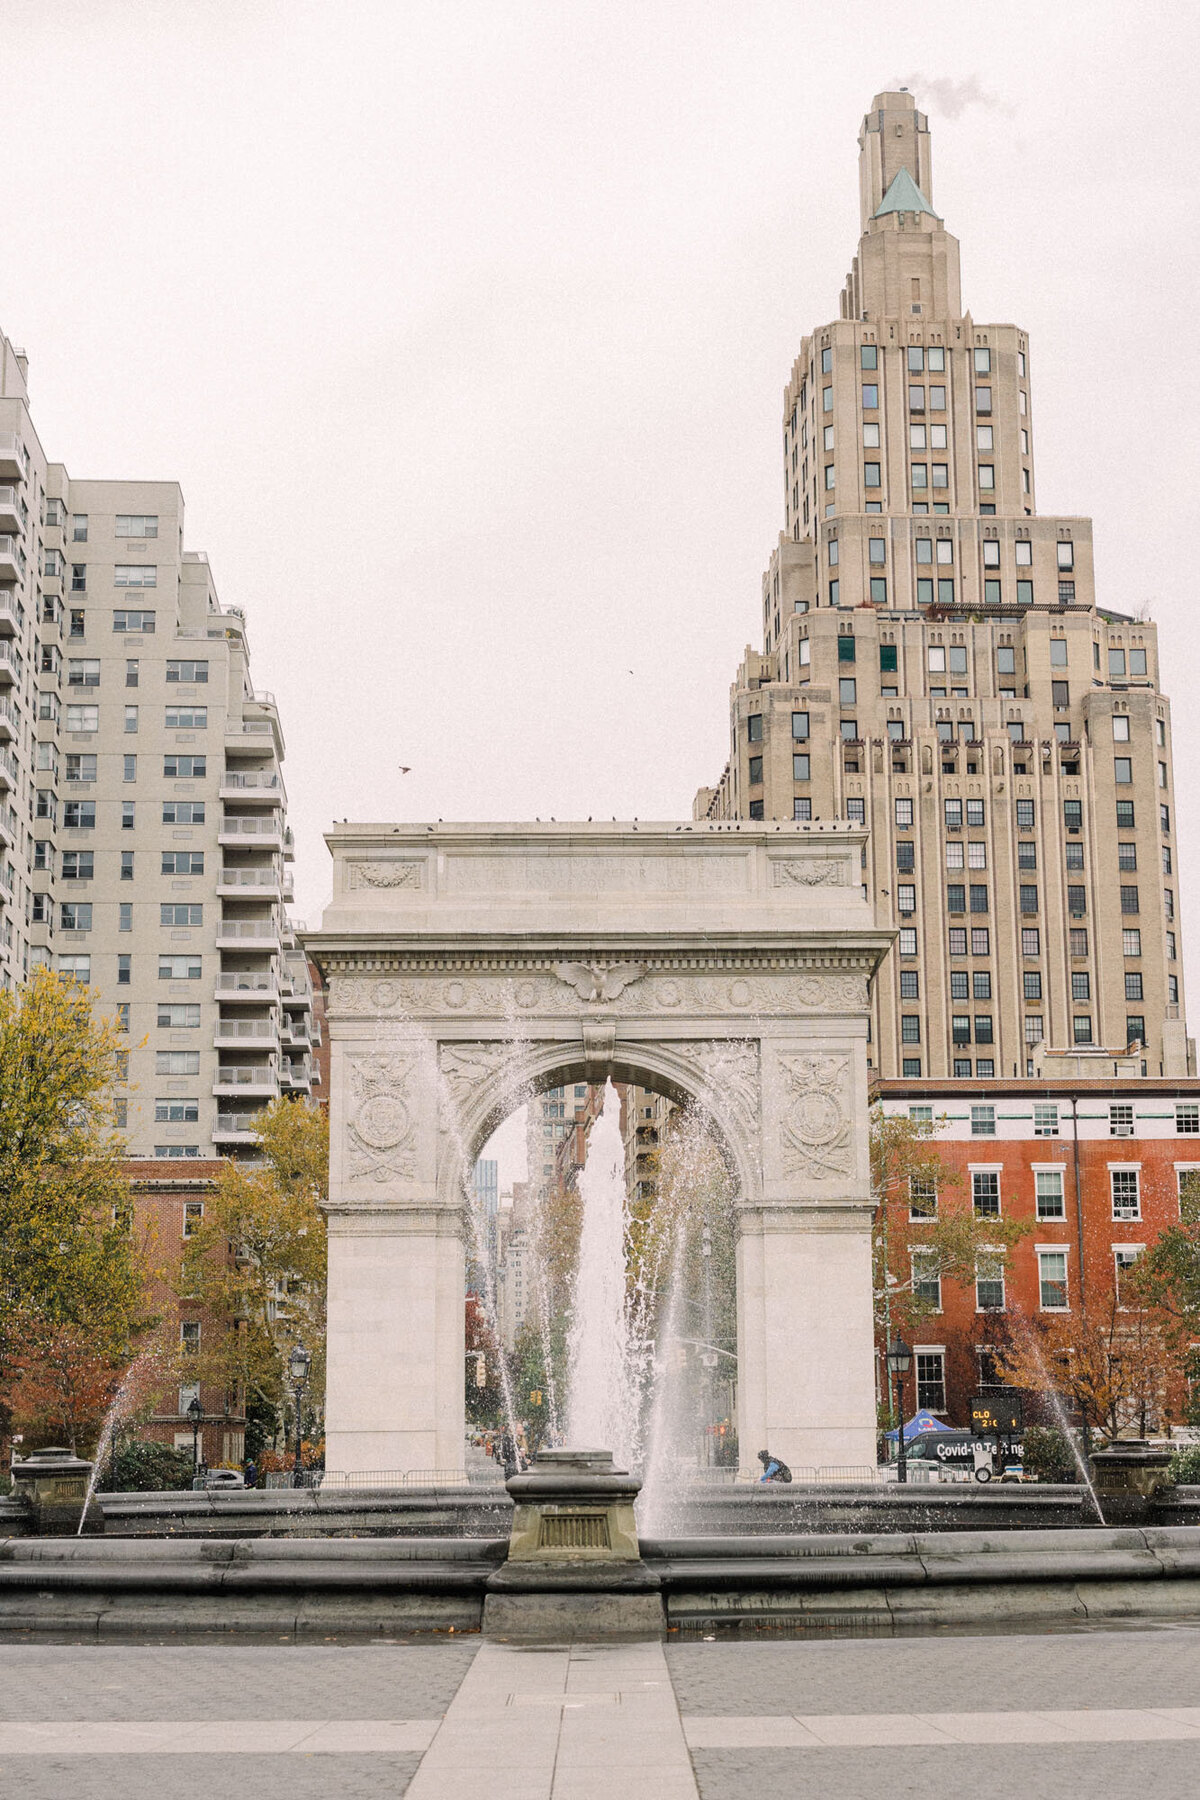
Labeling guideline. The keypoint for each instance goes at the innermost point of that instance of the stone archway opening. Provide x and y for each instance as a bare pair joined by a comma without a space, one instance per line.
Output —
726,966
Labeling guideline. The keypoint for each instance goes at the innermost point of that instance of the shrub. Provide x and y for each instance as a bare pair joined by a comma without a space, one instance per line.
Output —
1048,1454
144,1467
1185,1465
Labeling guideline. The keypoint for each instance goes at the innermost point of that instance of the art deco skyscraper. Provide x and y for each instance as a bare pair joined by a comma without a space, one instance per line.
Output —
935,662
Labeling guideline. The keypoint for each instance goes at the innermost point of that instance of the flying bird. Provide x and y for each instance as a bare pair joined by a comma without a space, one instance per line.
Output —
405,768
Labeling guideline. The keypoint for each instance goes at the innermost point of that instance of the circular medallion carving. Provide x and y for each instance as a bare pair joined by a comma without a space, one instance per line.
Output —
740,993
668,993
454,994
382,1121
811,990
384,995
526,994
817,1118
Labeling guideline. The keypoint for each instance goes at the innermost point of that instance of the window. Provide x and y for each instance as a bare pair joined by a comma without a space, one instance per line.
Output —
185,768
1045,1118
187,718
754,729
137,525
139,575
979,940
1077,902
1187,1118
856,811
1120,1121
931,1380
78,865
910,984
922,1197
186,670
1048,1186
1082,1030
979,898
756,763
1116,665
183,862
1135,1029
927,1279
83,718
756,809
870,396
1081,985
800,726
124,971
906,856
178,1018
180,913
125,619
1060,696
871,475
131,672
1035,1029
75,915
1120,728
1030,941
179,968
79,815
868,356
193,1217
174,1111
960,986
981,985
924,550
1133,985
125,915
1052,1280
904,814
75,968
847,691
983,1028
920,475
870,437
801,807
79,578
1127,856
906,899
1129,899
910,1028
83,671
1126,1198
908,941
956,897
989,1281
976,854
801,766
1027,854
983,1121
131,719
127,865
958,941
956,856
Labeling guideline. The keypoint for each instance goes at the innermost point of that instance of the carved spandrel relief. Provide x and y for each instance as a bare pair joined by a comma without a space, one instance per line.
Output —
816,1132
467,1066
392,873
598,984
728,1076
380,1133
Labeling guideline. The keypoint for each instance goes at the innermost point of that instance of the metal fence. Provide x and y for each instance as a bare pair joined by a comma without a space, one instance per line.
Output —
386,1478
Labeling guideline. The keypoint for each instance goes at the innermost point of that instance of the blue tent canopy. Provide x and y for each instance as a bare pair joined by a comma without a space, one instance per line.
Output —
923,1421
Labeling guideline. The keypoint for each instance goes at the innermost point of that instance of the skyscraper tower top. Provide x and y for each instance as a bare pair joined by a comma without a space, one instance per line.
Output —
894,139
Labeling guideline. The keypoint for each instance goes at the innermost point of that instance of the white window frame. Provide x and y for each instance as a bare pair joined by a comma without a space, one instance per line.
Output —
1125,1168
1049,1168
1063,1250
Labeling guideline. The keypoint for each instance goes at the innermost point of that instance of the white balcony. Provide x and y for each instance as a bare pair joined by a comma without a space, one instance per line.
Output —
9,724
12,558
10,827
252,1079
295,1076
234,1034
10,666
261,786
248,988
8,771
251,834
250,884
255,934
12,615
12,459
10,510
235,1128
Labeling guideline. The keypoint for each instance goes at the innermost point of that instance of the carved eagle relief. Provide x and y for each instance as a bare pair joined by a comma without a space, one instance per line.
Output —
598,982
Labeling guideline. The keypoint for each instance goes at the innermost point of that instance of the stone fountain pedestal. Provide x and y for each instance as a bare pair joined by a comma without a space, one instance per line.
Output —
53,1484
574,1568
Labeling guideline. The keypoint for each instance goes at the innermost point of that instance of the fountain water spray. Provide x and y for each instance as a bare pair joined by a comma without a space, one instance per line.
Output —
604,1402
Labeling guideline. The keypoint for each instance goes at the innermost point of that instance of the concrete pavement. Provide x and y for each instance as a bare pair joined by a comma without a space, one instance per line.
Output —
930,1716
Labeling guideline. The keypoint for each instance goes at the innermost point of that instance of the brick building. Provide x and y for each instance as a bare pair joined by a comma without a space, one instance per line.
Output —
1094,1162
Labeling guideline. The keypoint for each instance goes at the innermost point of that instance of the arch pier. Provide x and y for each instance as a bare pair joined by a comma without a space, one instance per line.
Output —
726,965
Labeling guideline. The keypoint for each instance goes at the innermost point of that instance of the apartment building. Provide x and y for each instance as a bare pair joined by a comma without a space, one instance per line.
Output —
144,846
936,663
1089,1153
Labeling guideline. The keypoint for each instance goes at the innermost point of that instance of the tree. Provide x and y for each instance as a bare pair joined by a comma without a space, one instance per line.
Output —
67,1251
258,1260
926,1226
59,1385
1167,1275
1116,1368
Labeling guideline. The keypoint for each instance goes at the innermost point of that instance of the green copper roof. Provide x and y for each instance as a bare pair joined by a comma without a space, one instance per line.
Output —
905,196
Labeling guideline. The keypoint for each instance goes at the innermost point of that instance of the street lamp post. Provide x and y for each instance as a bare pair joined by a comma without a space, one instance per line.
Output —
195,1413
899,1361
299,1363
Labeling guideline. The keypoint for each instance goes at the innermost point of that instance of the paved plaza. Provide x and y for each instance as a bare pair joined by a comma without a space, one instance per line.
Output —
929,1716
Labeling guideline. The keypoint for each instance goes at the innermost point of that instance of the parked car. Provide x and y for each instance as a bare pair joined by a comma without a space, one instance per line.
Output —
209,1479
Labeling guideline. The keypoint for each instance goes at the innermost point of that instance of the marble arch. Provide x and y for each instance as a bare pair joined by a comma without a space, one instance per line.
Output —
725,964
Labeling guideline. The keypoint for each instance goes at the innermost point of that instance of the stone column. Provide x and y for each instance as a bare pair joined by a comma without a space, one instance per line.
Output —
806,1384
394,1395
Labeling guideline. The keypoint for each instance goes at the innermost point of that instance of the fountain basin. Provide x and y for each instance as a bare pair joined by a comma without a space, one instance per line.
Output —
52,1486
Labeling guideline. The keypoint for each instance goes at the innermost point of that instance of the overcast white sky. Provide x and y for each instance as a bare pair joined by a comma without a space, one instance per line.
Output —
464,327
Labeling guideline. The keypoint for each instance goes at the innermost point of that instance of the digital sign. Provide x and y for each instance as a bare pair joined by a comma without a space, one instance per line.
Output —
998,1411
